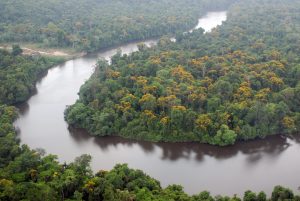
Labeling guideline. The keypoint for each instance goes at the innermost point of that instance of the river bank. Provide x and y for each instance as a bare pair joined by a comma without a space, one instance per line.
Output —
36,49
253,165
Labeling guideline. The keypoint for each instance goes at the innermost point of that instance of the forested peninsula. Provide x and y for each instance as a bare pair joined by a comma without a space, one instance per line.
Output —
239,82
27,174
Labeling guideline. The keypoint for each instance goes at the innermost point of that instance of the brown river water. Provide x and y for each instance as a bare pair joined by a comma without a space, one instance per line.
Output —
256,165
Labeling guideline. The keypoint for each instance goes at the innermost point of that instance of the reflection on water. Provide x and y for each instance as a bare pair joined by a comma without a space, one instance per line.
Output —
256,165
273,146
210,21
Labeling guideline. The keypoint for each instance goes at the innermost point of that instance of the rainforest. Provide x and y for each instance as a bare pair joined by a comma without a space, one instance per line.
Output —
240,82
213,109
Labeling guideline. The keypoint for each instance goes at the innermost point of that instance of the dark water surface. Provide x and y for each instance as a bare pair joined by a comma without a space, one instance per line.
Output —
256,165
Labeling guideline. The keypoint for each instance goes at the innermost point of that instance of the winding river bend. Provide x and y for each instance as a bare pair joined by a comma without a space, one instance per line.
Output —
256,165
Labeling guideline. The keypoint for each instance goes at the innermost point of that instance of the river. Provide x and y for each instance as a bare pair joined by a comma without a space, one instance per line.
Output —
256,165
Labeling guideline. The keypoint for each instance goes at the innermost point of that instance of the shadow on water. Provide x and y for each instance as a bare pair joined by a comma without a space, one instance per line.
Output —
254,150
296,138
42,125
23,108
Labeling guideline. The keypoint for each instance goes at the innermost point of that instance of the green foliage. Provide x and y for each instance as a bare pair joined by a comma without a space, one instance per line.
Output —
225,136
9,148
281,193
79,114
91,25
202,88
238,82
18,74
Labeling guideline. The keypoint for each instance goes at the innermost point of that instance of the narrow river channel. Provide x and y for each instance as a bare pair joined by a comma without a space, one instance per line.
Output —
256,165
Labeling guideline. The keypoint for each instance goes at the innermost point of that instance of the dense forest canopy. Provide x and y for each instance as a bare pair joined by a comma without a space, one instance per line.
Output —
239,82
31,175
18,74
94,24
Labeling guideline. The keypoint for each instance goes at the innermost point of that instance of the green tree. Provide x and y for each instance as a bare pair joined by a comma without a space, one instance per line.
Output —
225,136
